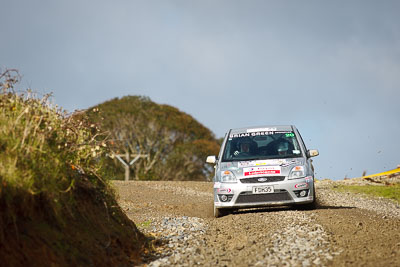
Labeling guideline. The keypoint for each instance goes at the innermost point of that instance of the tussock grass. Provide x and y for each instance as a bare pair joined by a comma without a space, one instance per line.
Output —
387,191
43,150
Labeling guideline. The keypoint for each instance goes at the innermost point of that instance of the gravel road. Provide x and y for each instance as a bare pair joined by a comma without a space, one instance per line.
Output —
345,229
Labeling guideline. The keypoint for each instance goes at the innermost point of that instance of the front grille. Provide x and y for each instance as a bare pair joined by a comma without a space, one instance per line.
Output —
270,179
248,197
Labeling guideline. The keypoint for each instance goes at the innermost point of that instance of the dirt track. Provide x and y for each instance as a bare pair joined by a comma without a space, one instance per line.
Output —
345,229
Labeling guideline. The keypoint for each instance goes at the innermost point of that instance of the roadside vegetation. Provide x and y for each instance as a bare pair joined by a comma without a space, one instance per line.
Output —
43,150
56,206
386,191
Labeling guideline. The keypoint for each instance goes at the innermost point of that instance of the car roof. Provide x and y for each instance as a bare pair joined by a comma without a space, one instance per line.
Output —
263,128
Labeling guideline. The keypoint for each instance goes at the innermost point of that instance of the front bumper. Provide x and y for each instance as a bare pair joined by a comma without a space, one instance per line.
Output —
240,195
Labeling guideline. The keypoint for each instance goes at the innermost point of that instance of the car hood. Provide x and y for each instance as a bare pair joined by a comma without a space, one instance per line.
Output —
260,168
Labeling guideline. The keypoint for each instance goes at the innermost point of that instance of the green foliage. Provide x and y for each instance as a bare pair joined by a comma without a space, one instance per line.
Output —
386,191
42,150
175,143
145,224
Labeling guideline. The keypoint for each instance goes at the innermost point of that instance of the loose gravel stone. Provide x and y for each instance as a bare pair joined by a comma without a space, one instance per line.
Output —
179,233
299,243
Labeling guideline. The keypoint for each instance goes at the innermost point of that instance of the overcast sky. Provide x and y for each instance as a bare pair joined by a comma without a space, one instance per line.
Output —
332,68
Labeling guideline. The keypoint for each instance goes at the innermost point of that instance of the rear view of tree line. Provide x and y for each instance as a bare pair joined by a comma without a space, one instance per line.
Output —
175,145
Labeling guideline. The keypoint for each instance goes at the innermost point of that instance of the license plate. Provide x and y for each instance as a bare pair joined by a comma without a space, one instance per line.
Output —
263,189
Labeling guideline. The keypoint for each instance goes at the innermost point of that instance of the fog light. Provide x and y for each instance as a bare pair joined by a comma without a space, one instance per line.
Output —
303,193
224,198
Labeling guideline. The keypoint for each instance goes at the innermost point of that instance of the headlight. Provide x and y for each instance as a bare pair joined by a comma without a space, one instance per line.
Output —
297,172
228,177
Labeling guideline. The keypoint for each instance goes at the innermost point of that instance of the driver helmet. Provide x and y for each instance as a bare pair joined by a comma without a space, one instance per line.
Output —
244,144
283,148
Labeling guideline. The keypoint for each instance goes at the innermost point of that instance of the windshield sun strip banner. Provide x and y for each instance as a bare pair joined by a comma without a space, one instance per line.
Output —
258,133
261,130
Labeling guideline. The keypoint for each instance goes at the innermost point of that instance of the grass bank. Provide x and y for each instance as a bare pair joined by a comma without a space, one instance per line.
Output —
386,191
56,206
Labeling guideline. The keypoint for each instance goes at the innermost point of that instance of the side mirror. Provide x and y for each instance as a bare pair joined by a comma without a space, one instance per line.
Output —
211,159
312,153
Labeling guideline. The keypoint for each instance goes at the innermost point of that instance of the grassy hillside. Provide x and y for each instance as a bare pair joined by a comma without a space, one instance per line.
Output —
56,208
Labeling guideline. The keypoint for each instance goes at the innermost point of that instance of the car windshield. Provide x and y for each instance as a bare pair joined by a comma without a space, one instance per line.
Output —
261,145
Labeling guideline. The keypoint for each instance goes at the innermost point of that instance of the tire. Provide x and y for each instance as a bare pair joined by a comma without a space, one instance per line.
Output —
312,205
220,212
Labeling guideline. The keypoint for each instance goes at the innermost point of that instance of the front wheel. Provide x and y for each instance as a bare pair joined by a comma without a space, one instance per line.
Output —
313,204
220,212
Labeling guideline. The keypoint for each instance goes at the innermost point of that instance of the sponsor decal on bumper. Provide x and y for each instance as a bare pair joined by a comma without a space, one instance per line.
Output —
302,185
224,190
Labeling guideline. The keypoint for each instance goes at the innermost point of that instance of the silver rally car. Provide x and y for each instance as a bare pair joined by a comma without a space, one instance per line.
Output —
263,166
